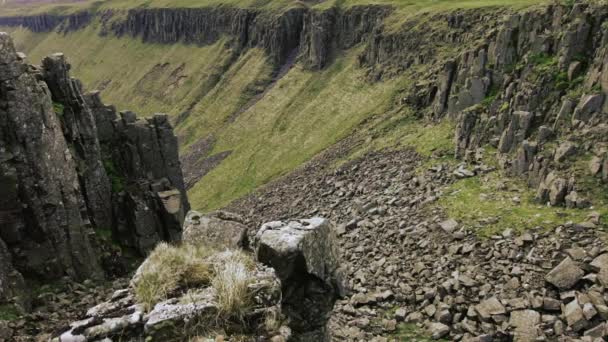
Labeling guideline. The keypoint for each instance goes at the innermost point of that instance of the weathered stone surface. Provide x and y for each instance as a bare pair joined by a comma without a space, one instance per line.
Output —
305,255
489,307
588,106
574,316
525,323
37,165
565,150
61,179
449,225
220,229
565,275
121,318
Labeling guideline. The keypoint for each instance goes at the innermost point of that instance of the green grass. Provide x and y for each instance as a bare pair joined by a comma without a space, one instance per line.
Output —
118,182
58,108
480,206
9,312
131,72
405,7
169,268
302,115
411,333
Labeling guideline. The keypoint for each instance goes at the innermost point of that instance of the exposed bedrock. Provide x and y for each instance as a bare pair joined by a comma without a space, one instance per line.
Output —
305,257
69,168
315,33
295,281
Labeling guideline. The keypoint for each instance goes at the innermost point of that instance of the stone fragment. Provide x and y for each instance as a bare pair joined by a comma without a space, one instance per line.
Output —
219,229
574,316
305,256
449,226
438,330
489,307
526,324
565,150
565,275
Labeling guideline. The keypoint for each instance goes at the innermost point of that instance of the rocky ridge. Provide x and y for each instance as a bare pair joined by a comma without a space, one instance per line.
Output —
292,287
73,174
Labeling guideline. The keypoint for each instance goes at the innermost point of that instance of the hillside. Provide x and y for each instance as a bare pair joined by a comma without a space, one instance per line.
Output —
405,122
184,78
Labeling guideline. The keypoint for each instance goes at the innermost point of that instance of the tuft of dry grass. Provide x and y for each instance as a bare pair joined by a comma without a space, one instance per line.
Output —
233,275
168,268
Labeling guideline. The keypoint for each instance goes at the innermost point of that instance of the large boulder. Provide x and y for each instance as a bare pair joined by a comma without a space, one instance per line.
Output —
218,229
305,257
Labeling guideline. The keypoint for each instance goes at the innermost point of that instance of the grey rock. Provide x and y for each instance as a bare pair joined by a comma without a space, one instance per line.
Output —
449,225
490,307
438,330
574,316
565,275
219,230
304,254
565,150
526,324
588,106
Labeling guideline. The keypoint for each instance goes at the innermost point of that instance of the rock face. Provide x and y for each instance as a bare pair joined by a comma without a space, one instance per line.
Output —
314,33
61,181
305,257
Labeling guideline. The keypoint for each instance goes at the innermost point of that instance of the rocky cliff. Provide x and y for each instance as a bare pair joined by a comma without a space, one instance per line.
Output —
316,33
71,171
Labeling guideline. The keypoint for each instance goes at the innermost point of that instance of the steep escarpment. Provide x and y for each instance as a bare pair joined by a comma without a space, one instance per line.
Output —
297,28
532,89
50,22
71,172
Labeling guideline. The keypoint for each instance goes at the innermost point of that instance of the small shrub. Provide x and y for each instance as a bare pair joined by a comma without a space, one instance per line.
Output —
58,108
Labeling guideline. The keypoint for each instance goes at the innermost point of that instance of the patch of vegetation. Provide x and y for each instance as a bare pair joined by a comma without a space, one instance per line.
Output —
185,269
492,94
597,89
410,332
490,204
118,182
58,108
542,59
169,268
9,312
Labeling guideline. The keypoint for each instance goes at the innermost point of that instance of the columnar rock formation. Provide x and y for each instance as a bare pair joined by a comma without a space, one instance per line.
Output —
68,167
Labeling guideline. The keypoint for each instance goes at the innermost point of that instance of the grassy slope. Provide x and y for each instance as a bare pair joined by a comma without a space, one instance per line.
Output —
303,114
127,65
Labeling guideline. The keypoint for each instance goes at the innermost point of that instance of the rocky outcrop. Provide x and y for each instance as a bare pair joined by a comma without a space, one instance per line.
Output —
317,34
49,22
187,314
149,201
61,180
296,280
305,257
